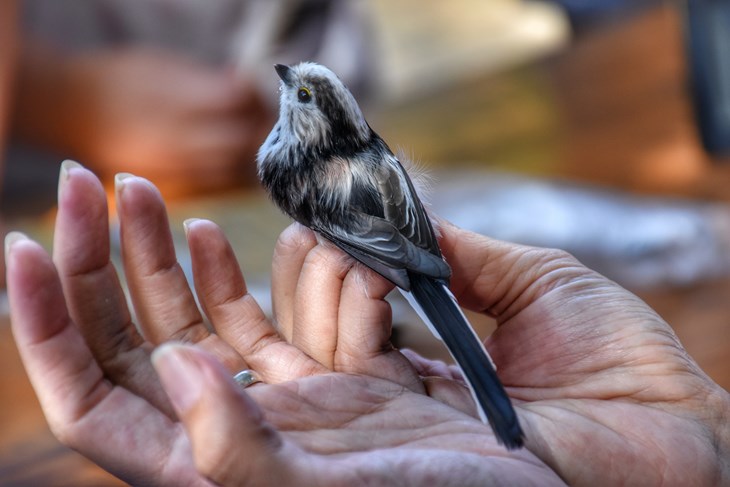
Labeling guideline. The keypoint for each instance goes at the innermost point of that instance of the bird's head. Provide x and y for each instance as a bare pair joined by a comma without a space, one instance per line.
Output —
317,112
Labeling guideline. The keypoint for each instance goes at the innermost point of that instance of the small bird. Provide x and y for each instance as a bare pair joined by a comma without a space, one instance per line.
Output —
326,168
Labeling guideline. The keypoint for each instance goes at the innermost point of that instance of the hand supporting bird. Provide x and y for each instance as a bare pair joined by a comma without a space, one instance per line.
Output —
606,393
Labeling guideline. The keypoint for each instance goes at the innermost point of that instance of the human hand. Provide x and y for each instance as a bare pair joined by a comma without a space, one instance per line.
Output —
604,390
190,126
90,365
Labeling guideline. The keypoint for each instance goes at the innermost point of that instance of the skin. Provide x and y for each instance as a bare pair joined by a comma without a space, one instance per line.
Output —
604,390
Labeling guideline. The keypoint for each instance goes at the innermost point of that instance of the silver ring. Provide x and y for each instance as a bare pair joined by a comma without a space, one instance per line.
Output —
247,377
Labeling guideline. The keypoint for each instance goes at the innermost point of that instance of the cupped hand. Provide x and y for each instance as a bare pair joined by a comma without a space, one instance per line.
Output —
175,416
605,391
607,394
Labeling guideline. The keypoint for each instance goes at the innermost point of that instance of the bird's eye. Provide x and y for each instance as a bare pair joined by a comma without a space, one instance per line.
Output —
304,95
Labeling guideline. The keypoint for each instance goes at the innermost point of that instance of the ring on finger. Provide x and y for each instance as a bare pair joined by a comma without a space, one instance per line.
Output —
247,377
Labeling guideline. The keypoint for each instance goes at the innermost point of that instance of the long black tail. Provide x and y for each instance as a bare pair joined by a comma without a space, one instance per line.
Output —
447,320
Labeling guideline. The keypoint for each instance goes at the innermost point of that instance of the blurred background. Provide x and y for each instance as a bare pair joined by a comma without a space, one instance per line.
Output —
600,127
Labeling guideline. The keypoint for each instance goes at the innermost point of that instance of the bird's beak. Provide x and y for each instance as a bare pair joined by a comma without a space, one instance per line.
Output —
284,73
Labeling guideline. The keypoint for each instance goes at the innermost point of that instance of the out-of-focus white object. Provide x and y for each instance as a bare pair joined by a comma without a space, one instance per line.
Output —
637,241
332,32
425,45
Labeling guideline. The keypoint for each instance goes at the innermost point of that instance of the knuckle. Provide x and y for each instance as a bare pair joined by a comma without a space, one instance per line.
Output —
65,432
330,258
295,238
556,257
555,268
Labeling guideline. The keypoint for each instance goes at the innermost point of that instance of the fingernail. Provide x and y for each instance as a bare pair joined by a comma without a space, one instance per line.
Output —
180,375
187,223
64,174
12,238
119,181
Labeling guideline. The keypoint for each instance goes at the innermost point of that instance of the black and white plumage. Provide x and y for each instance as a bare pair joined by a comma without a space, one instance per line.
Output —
325,167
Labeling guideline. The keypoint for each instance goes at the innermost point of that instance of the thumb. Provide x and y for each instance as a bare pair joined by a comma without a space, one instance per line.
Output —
231,443
502,278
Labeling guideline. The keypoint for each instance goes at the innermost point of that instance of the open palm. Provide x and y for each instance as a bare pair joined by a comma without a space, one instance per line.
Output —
607,392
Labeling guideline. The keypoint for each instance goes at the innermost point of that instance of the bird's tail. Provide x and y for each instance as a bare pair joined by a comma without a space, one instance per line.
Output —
438,308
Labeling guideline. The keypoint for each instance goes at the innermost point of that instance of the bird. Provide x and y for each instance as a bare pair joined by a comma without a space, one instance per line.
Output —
324,166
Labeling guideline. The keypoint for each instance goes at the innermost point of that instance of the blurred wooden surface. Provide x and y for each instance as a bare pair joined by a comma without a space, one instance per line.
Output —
611,110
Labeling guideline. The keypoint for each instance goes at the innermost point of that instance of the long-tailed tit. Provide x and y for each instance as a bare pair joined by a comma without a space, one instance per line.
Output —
325,167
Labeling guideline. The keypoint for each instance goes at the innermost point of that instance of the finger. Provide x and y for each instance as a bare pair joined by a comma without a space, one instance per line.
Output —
501,278
342,318
525,289
365,316
443,382
83,409
236,316
163,302
231,442
433,368
364,329
317,303
291,250
451,393
94,295
57,361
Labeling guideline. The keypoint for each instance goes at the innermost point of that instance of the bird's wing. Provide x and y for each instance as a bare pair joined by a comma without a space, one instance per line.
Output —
384,224
397,276
402,207
378,244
